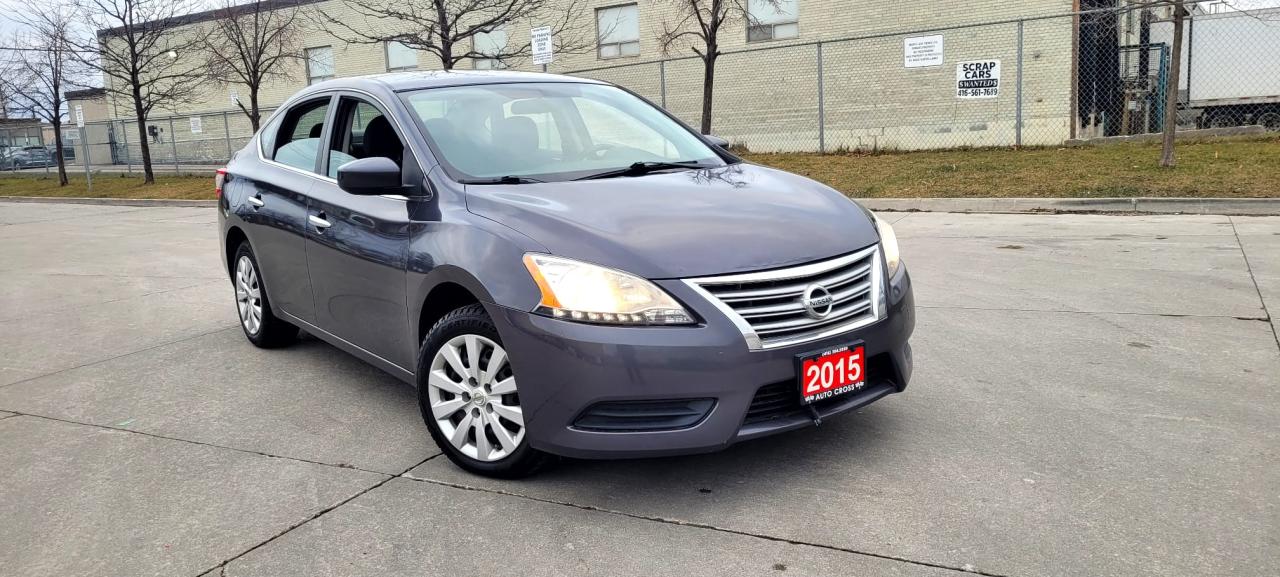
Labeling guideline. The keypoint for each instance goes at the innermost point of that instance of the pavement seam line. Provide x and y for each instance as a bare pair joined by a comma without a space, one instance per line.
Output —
206,444
1119,313
122,355
71,308
113,213
223,565
1248,267
697,525
97,275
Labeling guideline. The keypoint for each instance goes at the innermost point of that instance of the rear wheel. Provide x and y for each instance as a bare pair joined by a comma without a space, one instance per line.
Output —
469,399
1270,120
260,324
1224,120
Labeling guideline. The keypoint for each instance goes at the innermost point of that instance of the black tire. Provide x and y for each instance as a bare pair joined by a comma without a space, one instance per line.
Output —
272,332
1225,120
1270,120
471,319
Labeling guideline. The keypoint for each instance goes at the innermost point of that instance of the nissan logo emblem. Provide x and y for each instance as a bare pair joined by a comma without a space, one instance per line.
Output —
817,301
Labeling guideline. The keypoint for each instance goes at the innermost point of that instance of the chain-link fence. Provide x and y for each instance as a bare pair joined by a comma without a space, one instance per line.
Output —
1228,72
194,143
1028,82
999,84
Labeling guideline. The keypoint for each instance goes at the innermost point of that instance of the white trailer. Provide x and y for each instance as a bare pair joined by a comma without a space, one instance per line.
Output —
1230,67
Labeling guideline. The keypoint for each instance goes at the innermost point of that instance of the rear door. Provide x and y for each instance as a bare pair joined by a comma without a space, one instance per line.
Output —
357,245
275,203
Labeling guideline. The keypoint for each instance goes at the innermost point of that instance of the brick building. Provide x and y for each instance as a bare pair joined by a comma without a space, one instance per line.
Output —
799,75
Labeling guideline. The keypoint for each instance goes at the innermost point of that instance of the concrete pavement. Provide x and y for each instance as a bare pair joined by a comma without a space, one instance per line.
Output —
1095,395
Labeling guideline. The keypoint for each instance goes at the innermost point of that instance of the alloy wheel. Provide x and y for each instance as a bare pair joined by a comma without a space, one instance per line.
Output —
473,398
248,295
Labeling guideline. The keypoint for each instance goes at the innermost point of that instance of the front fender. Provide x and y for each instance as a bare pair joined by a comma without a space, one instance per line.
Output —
473,252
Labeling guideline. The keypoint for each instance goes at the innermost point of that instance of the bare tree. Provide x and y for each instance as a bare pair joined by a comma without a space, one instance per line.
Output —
144,57
697,24
252,44
9,79
1178,11
40,72
448,29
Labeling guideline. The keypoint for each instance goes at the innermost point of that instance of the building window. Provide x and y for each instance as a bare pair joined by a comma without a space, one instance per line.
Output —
401,57
618,31
319,64
489,44
772,19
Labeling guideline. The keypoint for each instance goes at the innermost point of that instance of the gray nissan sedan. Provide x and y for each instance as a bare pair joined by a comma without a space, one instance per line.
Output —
560,267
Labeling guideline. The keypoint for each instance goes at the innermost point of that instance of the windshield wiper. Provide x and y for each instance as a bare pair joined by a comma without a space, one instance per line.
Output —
500,180
643,168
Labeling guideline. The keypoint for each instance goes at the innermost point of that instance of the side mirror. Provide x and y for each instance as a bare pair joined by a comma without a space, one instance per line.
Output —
370,176
716,140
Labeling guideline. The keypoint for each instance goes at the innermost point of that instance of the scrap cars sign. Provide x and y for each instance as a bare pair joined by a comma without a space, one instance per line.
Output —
978,79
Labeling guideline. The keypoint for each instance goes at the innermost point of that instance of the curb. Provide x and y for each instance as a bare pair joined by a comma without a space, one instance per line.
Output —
1182,135
113,201
1222,206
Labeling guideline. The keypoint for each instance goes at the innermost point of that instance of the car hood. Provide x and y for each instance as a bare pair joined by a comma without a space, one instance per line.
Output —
683,224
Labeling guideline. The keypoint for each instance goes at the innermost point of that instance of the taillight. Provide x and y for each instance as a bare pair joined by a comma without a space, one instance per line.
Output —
218,179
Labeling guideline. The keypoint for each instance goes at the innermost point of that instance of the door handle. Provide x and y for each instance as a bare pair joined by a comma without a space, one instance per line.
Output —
256,201
318,221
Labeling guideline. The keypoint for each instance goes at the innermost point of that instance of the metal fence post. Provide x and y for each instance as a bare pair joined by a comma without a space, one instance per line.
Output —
1017,124
173,144
822,113
40,132
226,132
128,156
84,144
662,81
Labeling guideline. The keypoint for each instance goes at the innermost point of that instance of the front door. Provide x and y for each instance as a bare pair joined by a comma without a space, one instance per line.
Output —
357,245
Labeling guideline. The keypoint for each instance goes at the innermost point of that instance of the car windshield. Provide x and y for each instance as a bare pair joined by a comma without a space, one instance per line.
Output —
550,131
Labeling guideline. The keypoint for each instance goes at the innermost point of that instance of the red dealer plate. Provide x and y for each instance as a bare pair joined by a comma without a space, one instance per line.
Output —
831,373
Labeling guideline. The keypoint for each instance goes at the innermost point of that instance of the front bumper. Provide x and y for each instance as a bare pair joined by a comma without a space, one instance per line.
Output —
564,368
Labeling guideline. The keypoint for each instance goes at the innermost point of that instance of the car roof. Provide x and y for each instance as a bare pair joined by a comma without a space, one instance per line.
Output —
417,80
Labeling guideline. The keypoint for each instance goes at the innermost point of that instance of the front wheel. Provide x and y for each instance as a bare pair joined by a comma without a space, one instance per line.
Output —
469,399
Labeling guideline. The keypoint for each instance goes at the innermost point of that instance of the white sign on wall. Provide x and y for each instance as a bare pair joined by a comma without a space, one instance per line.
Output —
79,116
922,51
978,79
196,125
235,97
540,39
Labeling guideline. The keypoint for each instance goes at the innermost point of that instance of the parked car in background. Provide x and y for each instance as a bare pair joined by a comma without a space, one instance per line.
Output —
560,267
68,152
6,156
20,157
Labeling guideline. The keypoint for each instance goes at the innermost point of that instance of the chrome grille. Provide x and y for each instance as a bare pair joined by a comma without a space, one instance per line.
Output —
786,306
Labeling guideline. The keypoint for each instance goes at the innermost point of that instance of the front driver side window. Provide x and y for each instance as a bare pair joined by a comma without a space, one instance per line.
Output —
298,142
362,132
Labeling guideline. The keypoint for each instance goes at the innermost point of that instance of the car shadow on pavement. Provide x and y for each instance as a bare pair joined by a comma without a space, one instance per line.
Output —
847,454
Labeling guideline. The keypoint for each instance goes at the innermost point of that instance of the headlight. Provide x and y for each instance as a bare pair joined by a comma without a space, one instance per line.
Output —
578,291
889,244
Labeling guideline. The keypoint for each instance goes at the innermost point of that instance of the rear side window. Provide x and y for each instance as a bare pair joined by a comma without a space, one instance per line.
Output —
297,143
